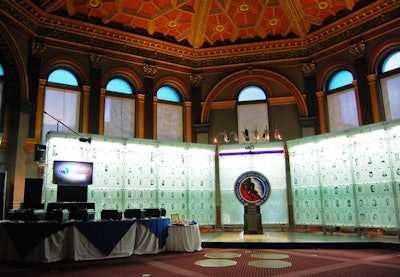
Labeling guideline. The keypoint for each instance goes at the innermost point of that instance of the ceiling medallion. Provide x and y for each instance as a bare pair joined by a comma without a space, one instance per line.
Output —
94,3
244,7
273,22
323,5
172,24
219,28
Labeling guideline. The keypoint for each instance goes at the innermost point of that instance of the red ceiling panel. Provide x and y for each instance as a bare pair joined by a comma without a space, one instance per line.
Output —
213,20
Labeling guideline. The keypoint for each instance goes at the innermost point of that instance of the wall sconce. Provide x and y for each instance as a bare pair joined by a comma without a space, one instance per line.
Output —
277,134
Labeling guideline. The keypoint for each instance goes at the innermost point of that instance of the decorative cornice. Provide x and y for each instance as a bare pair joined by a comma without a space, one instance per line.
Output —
78,33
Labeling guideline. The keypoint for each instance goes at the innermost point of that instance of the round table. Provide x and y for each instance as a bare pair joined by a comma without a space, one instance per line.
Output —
184,238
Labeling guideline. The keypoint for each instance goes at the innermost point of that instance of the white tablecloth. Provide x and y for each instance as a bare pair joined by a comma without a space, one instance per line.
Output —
184,238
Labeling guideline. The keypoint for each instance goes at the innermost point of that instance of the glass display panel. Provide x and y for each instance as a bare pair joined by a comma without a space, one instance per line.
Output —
138,173
266,158
355,175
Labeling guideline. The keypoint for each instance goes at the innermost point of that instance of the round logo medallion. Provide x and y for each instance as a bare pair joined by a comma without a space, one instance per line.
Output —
252,187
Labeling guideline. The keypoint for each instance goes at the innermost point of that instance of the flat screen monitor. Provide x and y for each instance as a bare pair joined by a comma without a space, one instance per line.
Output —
72,173
72,193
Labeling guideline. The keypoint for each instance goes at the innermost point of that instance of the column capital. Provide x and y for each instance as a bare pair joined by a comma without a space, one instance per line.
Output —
195,79
371,78
38,48
358,49
320,94
149,70
308,69
97,60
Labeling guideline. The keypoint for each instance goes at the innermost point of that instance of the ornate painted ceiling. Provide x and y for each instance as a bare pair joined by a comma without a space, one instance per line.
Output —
207,23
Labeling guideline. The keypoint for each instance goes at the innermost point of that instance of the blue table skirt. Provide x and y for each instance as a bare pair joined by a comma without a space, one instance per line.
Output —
158,227
104,235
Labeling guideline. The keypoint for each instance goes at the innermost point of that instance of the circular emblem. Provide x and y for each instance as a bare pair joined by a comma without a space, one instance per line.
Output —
63,170
252,187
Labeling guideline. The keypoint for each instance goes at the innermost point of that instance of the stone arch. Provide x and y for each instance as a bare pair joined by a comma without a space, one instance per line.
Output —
245,75
14,66
175,82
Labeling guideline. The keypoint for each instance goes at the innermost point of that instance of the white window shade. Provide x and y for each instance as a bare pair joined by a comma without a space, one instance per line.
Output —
169,122
252,117
391,96
119,117
63,105
342,110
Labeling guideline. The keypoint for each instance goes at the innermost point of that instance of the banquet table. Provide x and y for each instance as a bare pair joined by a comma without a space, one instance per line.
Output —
81,240
184,238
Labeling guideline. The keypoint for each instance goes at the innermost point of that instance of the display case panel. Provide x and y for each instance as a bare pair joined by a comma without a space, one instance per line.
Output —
140,174
358,172
265,158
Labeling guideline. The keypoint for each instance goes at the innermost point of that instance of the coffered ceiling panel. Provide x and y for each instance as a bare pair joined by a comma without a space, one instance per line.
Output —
207,23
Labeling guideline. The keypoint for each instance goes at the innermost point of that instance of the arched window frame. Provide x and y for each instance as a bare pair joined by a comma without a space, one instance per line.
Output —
388,84
1,92
341,102
253,115
69,115
170,116
122,119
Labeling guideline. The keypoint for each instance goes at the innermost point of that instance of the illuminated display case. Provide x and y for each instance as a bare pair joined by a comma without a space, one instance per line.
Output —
348,178
265,158
133,173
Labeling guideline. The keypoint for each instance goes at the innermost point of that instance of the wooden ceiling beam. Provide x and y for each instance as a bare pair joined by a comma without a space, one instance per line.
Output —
200,23
295,13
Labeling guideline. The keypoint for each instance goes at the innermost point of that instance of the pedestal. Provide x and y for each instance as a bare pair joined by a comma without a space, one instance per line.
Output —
252,219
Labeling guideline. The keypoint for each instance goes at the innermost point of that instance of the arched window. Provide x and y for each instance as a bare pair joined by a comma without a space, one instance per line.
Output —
119,109
341,101
252,115
390,85
62,101
169,114
1,90
168,93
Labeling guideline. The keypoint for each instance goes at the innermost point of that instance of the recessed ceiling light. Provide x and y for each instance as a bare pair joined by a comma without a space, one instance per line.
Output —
219,28
244,7
273,22
323,5
94,3
172,24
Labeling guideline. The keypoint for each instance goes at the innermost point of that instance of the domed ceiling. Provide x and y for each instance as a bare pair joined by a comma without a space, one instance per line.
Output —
207,23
